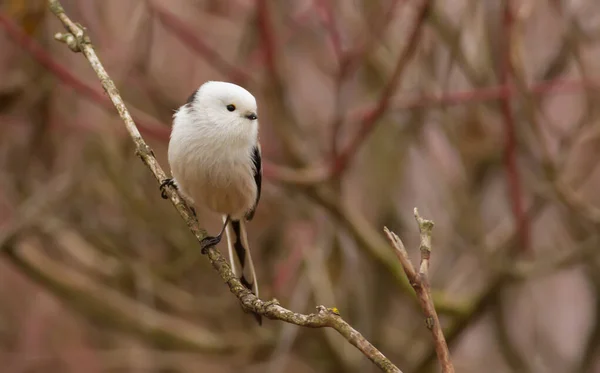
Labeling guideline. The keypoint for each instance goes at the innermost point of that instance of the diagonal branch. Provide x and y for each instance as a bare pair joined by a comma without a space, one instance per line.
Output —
77,40
420,282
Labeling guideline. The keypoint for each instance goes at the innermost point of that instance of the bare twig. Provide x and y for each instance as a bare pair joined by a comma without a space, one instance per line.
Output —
420,282
78,41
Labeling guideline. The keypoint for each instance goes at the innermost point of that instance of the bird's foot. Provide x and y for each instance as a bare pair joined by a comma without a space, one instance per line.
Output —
208,242
165,183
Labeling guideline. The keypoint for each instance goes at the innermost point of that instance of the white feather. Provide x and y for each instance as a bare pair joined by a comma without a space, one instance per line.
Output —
210,149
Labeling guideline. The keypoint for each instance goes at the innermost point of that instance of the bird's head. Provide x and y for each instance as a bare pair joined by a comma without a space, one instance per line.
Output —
224,104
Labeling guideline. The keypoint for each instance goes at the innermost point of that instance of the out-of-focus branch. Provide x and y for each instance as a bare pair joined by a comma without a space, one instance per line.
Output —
551,167
149,125
514,358
267,34
500,240
195,43
108,306
289,130
371,241
420,282
318,174
307,175
100,302
77,41
368,124
510,141
349,61
554,86
449,33
592,345
527,270
34,207
575,202
353,57
331,27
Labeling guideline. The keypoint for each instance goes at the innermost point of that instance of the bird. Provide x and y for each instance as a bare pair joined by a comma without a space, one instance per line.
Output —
215,159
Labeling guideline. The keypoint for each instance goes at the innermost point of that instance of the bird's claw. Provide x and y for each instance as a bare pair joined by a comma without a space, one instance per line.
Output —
208,242
165,183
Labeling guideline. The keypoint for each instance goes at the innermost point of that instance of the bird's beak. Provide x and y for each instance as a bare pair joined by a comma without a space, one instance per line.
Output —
251,116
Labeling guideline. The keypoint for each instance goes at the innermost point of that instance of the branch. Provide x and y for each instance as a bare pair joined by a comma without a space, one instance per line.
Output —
32,208
78,41
420,282
101,303
510,136
385,99
194,42
109,306
148,124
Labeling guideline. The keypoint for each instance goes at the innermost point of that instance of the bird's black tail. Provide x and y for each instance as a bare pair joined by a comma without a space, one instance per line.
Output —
240,258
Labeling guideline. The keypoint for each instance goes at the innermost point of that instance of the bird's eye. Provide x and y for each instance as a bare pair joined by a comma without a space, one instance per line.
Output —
231,107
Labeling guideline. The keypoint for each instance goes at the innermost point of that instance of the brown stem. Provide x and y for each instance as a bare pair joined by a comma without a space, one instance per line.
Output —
420,282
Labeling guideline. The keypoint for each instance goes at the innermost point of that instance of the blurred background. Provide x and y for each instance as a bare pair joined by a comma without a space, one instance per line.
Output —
483,114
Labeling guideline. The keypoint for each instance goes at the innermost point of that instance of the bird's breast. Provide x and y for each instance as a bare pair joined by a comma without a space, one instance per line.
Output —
220,178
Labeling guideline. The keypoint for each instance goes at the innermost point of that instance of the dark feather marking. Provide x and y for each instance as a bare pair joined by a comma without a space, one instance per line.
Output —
240,251
246,283
237,244
190,100
241,254
192,97
257,161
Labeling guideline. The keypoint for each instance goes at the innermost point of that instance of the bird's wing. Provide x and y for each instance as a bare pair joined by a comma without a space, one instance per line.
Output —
257,161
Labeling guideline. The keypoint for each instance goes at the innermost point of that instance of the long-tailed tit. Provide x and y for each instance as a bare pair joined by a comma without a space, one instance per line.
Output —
215,161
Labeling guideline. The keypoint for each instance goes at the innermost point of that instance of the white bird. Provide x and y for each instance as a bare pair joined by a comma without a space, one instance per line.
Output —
215,160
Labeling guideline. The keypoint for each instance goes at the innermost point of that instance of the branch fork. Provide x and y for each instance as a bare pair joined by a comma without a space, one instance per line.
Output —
420,283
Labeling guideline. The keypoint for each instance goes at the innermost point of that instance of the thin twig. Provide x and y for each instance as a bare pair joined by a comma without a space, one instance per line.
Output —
78,41
420,282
